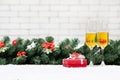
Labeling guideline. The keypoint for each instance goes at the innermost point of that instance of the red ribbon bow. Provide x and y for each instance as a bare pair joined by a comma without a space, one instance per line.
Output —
74,55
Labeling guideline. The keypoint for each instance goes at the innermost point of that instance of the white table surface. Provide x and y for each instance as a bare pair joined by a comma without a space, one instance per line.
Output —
58,72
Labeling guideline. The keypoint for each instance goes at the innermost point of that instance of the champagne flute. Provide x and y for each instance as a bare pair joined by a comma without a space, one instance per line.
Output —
91,42
102,40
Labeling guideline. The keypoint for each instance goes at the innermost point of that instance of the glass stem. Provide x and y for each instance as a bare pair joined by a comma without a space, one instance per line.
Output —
102,54
91,52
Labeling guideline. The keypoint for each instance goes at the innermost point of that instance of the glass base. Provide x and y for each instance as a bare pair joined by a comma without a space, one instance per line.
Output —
91,63
102,63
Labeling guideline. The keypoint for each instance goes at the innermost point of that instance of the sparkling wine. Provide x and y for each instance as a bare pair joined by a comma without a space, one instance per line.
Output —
91,40
102,39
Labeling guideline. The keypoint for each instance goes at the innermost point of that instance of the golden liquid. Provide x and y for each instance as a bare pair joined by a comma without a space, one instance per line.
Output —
91,40
102,39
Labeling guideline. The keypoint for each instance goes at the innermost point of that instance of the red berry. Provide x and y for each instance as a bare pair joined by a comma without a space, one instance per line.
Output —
66,47
2,44
14,42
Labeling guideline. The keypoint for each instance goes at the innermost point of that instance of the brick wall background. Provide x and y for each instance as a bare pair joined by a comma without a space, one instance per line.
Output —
59,18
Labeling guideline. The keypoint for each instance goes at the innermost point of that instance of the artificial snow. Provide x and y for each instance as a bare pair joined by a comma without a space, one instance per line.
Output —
58,72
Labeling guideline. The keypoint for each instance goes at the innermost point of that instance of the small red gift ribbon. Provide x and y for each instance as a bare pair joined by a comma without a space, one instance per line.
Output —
76,55
81,61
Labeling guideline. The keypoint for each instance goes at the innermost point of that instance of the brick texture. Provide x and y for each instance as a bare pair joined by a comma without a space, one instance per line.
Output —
59,18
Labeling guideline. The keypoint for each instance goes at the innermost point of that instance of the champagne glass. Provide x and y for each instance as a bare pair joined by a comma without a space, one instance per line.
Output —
91,42
102,40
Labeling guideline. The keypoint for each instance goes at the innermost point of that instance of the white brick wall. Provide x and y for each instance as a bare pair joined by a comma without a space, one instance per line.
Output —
59,18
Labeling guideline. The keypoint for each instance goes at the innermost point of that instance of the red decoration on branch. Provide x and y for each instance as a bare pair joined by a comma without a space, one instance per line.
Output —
14,42
21,53
48,45
2,44
67,47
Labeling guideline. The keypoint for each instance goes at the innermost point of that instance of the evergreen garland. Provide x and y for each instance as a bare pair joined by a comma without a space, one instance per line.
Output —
44,51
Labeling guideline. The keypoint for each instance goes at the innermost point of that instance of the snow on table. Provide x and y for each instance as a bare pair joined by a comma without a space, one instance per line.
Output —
58,72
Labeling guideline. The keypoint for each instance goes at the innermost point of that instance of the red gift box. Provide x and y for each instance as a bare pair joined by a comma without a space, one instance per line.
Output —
74,62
